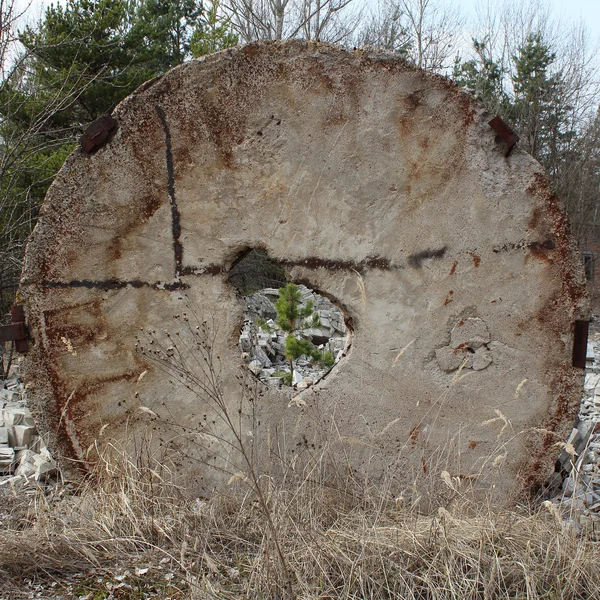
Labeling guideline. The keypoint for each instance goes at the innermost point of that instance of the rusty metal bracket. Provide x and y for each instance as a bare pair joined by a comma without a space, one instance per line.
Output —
505,132
15,332
580,338
98,134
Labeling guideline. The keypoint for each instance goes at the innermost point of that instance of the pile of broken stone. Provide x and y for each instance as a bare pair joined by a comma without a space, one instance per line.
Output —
262,342
24,458
580,457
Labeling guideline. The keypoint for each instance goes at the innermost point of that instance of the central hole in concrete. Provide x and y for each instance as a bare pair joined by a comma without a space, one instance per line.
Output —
292,336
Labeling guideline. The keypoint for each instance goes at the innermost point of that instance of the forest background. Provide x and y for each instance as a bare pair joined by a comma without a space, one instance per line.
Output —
80,58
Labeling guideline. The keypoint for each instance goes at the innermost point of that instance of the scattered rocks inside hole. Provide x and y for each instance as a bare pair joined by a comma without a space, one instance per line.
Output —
263,342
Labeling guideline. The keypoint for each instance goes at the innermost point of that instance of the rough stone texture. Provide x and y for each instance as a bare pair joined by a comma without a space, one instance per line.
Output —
375,184
469,333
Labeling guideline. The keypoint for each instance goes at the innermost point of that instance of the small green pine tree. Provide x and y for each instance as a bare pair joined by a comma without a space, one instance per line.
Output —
293,317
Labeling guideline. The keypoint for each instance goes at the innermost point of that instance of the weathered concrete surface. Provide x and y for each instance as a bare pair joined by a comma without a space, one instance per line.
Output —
378,185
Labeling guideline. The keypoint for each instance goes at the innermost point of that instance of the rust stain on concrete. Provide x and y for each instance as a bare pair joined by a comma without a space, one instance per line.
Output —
358,175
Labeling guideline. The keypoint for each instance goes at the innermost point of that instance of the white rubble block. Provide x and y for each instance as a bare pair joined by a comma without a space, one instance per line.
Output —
24,435
589,355
16,415
325,322
585,429
7,456
26,464
3,436
297,377
316,332
568,486
336,344
255,366
45,465
591,381
565,458
245,342
270,292
39,466
258,354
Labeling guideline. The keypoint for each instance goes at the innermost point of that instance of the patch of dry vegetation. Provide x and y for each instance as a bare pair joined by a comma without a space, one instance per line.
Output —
336,544
313,531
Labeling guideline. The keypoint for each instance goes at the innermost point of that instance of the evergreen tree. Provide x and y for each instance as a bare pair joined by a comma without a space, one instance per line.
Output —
162,32
539,111
213,34
77,64
483,76
83,46
293,318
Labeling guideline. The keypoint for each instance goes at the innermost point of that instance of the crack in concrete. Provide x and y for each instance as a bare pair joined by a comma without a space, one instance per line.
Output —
175,214
416,260
522,245
115,284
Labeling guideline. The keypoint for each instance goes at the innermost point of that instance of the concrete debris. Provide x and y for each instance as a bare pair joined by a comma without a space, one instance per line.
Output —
468,347
22,451
580,455
262,342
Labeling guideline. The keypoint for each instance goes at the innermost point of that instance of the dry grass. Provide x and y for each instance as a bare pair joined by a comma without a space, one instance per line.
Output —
336,545
309,532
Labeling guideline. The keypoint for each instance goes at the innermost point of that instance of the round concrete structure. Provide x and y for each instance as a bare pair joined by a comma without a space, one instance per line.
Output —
371,182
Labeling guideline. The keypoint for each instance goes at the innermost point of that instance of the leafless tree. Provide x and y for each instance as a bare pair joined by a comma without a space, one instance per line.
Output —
427,32
321,20
24,138
384,28
434,28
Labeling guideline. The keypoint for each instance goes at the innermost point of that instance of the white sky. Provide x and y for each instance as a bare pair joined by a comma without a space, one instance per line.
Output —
564,11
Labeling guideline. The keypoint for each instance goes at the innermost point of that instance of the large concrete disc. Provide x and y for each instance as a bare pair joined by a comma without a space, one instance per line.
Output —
379,185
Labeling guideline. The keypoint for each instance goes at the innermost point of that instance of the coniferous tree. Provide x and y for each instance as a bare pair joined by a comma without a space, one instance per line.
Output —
73,66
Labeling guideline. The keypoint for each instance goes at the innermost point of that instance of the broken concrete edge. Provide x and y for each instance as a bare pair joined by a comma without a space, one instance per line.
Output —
573,297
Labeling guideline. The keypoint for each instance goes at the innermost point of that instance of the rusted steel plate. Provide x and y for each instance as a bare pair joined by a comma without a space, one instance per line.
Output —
580,339
12,332
505,132
15,332
98,133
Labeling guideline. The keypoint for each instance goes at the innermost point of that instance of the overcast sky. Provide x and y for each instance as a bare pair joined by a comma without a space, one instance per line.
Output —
587,11
571,11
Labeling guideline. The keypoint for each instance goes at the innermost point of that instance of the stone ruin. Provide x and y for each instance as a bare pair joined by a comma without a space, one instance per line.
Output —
377,186
23,453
